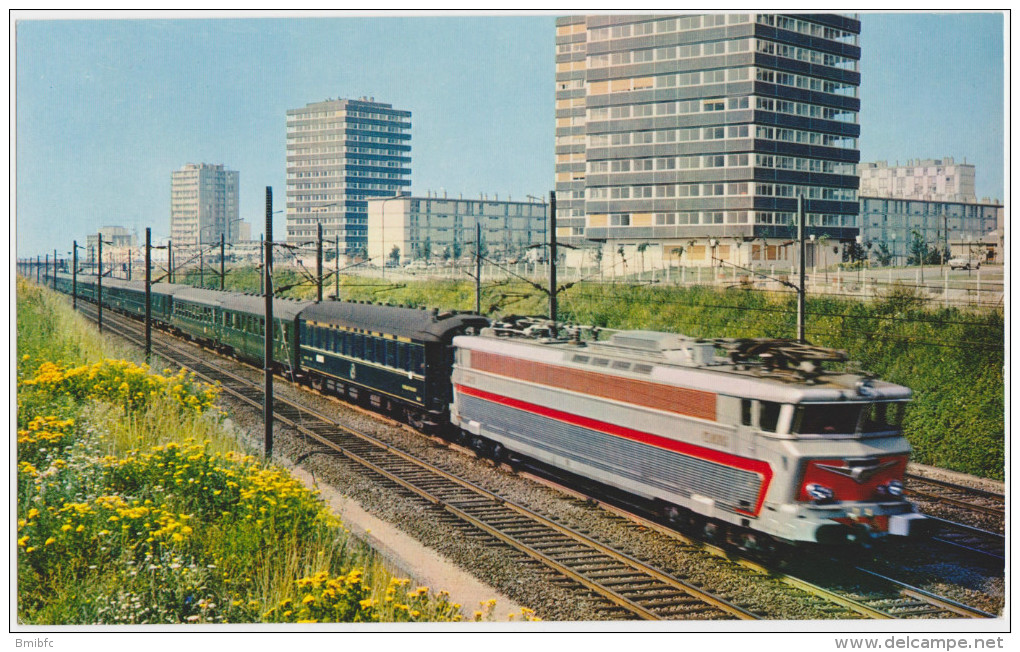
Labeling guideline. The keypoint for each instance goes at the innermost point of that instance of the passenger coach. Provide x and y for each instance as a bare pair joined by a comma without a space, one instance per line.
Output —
394,359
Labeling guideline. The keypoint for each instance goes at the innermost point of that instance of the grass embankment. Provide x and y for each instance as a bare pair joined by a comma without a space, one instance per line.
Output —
953,359
135,506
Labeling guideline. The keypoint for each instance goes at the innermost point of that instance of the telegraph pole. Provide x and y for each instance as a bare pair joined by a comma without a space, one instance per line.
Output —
46,270
336,264
148,293
800,289
318,264
262,264
552,257
170,259
267,273
54,269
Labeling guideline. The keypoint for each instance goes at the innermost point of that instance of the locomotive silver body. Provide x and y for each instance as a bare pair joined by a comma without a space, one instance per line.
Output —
727,439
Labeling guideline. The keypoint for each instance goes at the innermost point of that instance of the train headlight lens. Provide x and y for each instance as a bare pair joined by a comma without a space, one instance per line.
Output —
820,494
895,488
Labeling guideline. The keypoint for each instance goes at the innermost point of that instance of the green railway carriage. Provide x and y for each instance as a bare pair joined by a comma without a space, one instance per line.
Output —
124,296
242,326
196,313
394,359
162,300
86,285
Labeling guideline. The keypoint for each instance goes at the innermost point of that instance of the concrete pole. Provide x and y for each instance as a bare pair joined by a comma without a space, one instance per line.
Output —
148,293
99,286
552,258
800,290
267,407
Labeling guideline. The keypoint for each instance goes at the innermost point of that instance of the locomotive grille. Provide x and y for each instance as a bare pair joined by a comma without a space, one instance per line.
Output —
675,472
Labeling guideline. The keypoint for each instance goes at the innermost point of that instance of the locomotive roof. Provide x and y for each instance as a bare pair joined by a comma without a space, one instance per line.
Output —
413,323
286,309
716,373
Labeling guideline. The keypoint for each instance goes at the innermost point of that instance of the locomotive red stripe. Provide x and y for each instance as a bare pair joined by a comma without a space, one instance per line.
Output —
680,400
759,467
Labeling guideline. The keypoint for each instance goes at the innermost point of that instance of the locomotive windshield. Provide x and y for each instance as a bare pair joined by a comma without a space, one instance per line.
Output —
847,418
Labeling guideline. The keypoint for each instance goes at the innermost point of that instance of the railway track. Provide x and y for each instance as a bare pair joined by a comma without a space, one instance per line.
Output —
963,497
629,587
875,595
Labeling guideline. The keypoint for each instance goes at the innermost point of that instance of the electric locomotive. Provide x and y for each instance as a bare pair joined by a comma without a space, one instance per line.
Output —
757,445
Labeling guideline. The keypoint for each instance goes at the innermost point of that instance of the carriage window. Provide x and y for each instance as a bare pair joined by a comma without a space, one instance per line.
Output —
827,418
391,353
359,345
768,418
347,342
418,359
745,412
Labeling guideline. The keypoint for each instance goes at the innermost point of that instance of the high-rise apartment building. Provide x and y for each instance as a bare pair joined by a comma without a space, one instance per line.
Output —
340,153
929,179
203,204
692,135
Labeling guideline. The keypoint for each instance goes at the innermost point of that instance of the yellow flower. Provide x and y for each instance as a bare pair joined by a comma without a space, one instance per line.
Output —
49,541
22,541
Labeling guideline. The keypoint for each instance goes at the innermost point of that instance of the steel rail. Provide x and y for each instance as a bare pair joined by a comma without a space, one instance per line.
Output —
962,504
904,589
608,593
956,487
919,594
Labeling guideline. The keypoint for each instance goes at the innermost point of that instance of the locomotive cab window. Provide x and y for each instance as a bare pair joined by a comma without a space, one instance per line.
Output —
768,417
826,418
883,417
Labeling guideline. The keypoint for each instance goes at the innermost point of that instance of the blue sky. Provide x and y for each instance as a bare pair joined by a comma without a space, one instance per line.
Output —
106,109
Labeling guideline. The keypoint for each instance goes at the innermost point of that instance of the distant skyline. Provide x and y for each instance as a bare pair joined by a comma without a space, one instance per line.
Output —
107,109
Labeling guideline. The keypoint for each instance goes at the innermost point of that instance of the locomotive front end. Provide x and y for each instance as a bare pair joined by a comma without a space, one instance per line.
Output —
847,459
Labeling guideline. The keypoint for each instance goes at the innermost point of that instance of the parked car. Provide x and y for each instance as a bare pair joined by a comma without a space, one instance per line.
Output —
962,262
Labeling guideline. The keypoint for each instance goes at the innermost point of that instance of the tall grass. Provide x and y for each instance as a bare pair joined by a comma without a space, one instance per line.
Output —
136,506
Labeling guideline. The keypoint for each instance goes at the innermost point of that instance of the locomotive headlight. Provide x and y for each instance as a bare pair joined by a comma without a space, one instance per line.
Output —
820,494
895,488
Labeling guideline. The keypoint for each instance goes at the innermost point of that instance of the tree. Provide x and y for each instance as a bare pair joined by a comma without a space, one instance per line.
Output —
426,249
395,255
458,249
446,252
920,252
854,252
883,256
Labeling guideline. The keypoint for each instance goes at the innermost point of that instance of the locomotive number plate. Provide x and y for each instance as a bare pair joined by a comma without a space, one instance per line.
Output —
715,439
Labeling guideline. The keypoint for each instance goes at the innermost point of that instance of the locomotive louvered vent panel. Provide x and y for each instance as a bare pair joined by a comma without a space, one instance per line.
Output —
672,471
681,400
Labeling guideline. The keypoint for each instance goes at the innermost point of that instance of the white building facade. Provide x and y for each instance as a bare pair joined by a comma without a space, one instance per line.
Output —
433,228
924,179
